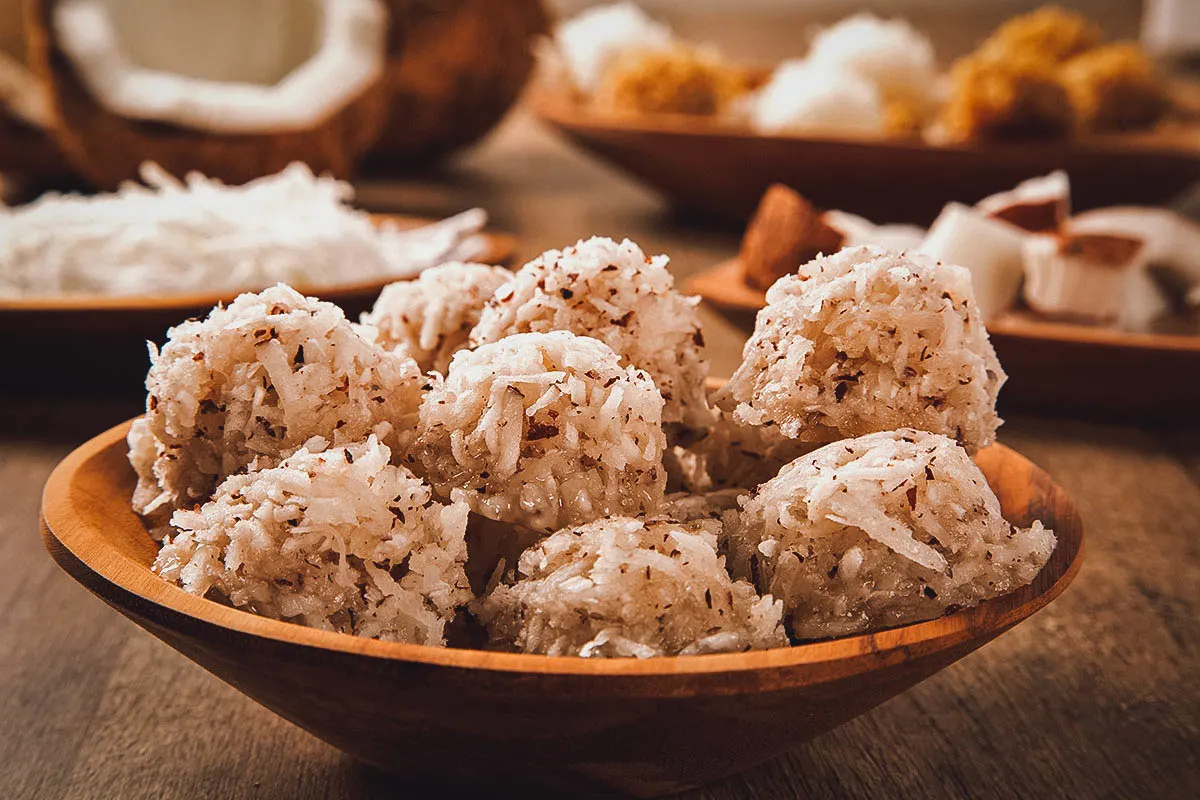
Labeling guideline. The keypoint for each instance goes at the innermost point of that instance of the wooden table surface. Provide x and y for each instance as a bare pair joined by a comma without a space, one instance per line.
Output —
1096,696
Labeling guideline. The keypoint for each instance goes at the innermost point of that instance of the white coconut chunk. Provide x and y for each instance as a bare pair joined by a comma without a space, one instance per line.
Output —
149,61
1080,276
1036,205
858,231
991,249
592,40
1171,240
802,97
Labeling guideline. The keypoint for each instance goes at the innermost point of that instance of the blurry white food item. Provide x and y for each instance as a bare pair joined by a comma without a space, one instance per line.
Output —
1037,205
1171,28
1171,240
890,53
173,236
223,65
1144,302
989,248
858,230
591,40
802,97
1081,276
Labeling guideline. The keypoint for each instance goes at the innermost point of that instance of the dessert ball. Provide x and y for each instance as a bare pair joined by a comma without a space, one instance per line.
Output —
337,539
629,587
880,530
869,340
430,318
615,293
249,384
672,80
545,430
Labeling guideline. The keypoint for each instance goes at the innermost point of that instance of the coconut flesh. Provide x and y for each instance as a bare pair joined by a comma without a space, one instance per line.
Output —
224,66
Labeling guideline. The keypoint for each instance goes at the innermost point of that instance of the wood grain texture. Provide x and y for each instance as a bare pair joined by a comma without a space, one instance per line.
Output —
724,168
474,718
1094,697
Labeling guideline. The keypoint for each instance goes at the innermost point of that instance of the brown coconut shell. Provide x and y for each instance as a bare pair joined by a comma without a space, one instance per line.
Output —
106,148
455,68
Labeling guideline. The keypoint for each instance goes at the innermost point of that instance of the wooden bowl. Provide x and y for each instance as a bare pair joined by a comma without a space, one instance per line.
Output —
505,721
723,168
1050,365
103,338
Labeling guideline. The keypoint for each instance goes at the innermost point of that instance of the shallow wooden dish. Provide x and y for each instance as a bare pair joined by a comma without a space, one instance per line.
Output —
103,338
723,168
1050,365
503,721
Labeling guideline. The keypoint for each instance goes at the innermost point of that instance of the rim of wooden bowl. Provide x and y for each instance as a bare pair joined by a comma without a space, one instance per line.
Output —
500,249
69,519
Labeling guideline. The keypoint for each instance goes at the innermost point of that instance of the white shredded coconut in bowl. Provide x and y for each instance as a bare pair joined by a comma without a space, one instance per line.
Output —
337,539
619,295
882,530
868,340
431,318
170,237
807,98
251,383
545,430
626,587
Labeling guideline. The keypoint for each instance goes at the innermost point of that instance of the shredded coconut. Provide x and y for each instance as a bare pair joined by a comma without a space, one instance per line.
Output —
170,237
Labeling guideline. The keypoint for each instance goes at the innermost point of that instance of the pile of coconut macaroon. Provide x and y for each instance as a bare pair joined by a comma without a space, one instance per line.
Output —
531,461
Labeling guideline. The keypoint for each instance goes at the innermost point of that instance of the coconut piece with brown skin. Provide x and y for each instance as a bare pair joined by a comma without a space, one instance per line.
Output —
1038,205
204,88
786,231
1081,276
454,69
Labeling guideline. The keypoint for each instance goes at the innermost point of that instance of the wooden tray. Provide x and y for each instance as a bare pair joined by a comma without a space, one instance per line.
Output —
1050,365
455,718
723,168
81,343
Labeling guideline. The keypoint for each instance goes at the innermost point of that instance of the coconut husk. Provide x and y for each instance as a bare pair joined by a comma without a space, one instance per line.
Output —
455,68
106,148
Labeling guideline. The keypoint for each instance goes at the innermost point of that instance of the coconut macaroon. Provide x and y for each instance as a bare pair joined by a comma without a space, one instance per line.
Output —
730,454
545,430
615,293
869,340
629,587
431,317
251,383
337,539
881,530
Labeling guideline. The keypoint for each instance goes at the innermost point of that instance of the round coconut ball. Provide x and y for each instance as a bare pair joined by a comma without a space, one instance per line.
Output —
545,430
881,530
615,293
251,383
430,318
629,587
869,340
336,538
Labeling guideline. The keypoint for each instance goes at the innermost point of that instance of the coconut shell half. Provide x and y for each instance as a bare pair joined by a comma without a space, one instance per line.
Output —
107,148
455,67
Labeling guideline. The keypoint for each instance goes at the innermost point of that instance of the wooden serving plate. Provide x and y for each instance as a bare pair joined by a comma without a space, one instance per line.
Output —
103,338
503,721
1050,365
723,167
